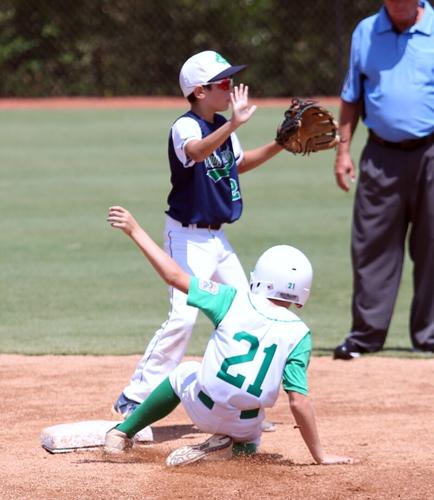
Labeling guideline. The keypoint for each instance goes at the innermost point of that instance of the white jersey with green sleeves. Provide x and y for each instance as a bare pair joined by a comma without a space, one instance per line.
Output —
254,347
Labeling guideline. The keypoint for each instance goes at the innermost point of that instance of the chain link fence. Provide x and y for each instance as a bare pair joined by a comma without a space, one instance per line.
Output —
136,47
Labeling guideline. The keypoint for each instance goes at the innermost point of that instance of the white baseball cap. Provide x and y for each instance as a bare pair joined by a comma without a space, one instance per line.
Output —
203,68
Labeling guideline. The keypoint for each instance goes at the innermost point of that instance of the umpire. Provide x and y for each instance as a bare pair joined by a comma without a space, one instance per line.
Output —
390,84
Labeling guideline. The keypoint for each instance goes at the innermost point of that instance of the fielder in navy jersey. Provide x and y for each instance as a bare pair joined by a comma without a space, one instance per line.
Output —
205,192
205,159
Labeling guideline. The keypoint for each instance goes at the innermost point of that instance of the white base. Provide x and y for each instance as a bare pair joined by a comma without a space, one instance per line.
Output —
89,434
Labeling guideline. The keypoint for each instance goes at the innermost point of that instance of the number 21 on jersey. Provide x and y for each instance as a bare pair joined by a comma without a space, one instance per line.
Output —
239,379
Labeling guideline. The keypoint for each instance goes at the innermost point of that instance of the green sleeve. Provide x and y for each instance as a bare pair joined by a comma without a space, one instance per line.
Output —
295,373
214,299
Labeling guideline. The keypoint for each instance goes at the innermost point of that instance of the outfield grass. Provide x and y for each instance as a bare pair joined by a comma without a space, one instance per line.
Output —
72,285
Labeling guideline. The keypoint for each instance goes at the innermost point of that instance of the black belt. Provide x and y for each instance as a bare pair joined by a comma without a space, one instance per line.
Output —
214,227
407,145
209,403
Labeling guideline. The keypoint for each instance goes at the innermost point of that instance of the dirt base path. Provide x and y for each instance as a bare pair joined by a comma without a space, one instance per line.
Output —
380,410
133,102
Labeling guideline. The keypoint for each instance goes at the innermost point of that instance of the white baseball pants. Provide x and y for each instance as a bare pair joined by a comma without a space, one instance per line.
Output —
218,419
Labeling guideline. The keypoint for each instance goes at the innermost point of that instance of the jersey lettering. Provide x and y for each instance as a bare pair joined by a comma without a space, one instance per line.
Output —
216,168
236,195
238,380
255,388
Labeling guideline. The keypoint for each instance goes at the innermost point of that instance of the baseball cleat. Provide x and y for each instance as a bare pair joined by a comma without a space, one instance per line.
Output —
217,447
117,441
124,407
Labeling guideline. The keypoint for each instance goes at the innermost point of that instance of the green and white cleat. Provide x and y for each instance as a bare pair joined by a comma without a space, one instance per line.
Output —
217,447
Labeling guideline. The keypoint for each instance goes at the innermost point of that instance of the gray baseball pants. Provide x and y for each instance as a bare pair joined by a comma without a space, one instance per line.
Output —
395,194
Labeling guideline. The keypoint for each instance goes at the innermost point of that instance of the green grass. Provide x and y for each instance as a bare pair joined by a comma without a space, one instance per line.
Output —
69,284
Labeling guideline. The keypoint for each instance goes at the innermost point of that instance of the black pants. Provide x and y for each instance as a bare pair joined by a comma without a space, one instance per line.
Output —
395,193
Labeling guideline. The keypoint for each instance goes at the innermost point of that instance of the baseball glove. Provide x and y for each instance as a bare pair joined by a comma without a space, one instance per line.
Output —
307,128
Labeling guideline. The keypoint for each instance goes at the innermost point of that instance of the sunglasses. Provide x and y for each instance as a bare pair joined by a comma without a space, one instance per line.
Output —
225,84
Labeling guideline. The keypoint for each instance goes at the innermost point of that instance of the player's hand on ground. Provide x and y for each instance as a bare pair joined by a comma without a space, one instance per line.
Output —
336,460
241,111
120,218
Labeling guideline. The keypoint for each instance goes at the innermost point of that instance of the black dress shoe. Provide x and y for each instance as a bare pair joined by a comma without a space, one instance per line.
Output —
347,350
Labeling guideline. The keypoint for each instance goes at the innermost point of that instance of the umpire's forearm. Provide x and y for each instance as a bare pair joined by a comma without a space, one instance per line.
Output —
348,119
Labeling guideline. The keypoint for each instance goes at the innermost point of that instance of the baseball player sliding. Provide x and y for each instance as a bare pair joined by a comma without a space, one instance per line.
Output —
257,344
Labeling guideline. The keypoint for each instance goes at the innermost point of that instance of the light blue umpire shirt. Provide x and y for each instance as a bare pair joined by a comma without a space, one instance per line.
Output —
395,74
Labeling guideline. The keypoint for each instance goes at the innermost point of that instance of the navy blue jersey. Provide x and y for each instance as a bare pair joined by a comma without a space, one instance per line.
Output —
206,192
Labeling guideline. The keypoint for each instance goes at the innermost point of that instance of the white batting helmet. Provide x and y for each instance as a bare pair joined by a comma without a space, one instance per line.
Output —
283,273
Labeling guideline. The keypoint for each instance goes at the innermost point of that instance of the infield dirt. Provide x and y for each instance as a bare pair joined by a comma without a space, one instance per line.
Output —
379,410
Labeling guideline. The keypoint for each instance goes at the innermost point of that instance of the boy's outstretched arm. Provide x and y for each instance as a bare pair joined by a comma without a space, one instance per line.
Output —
165,266
305,418
255,157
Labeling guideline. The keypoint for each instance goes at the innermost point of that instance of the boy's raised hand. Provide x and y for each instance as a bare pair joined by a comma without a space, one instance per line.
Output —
120,218
241,111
